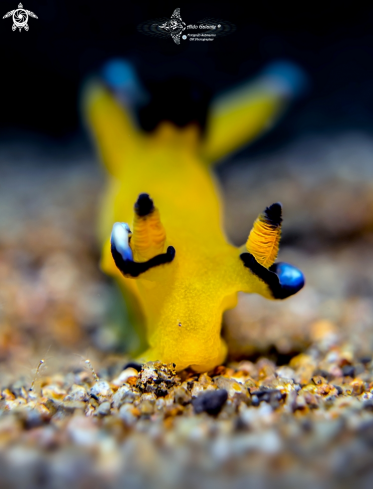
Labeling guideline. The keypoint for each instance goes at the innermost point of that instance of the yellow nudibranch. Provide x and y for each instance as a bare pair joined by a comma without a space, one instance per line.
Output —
169,254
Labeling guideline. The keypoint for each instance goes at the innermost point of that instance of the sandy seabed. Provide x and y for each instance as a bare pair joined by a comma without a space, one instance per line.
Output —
294,402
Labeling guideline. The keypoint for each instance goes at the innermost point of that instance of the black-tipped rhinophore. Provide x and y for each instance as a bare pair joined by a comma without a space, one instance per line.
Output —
144,205
282,279
273,215
131,268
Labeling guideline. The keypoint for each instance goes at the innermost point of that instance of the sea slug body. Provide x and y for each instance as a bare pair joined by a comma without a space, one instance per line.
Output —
161,219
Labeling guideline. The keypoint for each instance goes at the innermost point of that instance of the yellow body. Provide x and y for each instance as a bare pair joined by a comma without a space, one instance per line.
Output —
180,303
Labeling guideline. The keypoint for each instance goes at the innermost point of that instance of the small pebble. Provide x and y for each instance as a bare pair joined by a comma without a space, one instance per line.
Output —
348,371
125,375
124,394
104,409
129,414
101,391
211,402
77,393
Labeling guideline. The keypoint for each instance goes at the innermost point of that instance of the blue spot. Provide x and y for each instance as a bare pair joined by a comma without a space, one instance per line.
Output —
119,74
291,278
292,77
120,240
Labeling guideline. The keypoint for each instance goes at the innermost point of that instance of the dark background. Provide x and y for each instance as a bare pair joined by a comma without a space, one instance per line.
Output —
42,69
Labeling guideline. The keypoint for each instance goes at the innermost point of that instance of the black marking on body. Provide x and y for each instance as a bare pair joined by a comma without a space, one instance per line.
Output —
131,268
144,205
273,215
135,365
269,276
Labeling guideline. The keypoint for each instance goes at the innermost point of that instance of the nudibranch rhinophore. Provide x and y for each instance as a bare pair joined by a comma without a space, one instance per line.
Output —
161,220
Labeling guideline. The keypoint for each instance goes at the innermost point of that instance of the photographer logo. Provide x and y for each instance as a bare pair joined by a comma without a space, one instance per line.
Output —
20,17
203,30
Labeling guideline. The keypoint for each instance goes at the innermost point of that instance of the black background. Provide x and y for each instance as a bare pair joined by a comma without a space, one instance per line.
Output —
42,69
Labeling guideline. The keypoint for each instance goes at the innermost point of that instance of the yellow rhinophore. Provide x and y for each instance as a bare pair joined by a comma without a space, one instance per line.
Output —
264,238
161,224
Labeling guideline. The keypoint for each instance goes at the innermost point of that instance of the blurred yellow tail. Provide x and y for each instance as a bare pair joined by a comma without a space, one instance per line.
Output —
111,125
